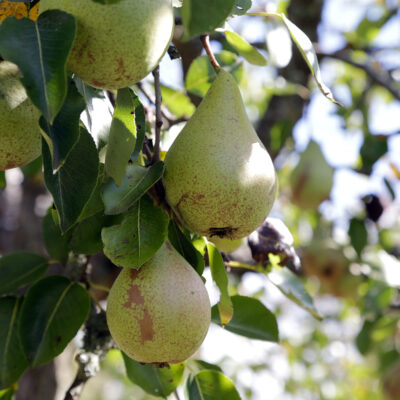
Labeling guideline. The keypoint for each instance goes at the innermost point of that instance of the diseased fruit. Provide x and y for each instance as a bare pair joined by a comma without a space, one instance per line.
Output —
325,260
311,180
219,178
20,137
161,312
117,44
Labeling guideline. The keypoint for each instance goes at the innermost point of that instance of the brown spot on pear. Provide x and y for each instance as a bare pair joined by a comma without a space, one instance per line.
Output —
20,135
117,44
161,313
219,178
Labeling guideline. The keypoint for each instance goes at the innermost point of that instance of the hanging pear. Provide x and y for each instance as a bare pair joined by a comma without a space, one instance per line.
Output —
219,178
312,179
161,312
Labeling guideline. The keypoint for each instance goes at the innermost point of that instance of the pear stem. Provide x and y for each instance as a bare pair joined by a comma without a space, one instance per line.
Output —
205,40
159,121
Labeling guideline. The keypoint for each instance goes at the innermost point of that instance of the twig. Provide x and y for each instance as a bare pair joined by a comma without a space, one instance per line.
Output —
96,343
164,113
159,121
176,395
377,77
205,40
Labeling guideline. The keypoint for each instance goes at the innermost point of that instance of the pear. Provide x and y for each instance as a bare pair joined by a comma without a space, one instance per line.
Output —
325,260
20,134
117,44
311,180
227,245
219,178
161,312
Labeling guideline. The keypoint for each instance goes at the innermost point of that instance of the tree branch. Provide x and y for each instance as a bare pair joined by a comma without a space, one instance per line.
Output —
96,343
159,121
382,79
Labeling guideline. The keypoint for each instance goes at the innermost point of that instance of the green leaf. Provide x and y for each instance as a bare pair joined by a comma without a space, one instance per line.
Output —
72,185
201,73
177,102
373,148
358,234
140,121
157,381
95,203
200,17
12,358
7,394
122,137
220,277
306,48
251,319
40,49
246,50
210,385
241,7
86,236
142,232
185,247
19,269
292,287
137,181
55,242
3,182
52,313
196,366
63,133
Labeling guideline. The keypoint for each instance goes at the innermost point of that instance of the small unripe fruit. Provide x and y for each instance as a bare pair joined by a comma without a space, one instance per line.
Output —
311,180
226,245
161,312
117,44
20,137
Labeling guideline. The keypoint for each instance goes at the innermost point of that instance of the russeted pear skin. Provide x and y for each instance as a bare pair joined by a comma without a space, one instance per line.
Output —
219,178
117,44
20,135
161,312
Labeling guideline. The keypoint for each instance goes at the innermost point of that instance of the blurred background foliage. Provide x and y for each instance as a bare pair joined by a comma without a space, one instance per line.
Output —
339,195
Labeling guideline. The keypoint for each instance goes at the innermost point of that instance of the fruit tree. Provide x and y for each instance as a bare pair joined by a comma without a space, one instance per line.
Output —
199,199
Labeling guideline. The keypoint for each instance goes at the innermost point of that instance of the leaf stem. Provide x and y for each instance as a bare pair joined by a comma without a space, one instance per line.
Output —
236,264
159,121
264,14
205,40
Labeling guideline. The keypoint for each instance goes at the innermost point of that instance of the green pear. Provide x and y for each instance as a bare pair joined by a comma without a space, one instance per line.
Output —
311,180
325,260
219,178
20,134
161,312
117,44
226,245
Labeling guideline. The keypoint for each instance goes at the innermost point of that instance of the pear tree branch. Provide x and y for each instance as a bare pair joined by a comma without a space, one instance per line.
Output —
159,121
205,40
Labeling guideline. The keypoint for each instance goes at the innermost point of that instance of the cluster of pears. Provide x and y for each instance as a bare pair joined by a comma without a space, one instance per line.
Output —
20,134
219,178
117,44
160,313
